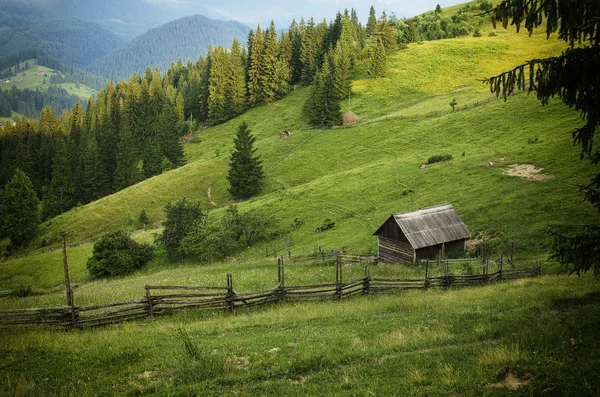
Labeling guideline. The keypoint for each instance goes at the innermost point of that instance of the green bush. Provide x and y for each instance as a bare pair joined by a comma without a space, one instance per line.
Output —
182,219
116,254
439,158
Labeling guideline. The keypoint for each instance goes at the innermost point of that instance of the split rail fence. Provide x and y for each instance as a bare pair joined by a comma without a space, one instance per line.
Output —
160,300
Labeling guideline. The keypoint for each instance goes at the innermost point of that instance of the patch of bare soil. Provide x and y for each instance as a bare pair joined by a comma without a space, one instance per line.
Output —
527,171
513,381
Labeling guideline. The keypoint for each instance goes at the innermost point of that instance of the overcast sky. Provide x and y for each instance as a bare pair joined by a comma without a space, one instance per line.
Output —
262,11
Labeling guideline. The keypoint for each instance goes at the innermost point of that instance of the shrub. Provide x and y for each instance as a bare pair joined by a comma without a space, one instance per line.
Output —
327,224
182,219
477,33
439,158
492,34
116,254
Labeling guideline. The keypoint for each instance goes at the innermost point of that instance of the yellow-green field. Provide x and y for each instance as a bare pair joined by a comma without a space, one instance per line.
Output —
38,77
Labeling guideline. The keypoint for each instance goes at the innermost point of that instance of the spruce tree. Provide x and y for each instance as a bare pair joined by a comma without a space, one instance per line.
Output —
371,23
377,61
255,71
309,53
245,173
20,209
60,197
217,87
169,132
294,34
322,108
94,173
236,91
126,173
268,79
343,60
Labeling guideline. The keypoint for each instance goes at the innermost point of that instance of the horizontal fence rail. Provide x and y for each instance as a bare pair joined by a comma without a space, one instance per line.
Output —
160,300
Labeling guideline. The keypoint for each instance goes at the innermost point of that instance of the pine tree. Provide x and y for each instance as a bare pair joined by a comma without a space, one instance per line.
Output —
322,109
371,23
126,173
294,34
268,80
309,53
377,62
217,87
20,209
343,60
60,197
245,173
94,173
169,132
180,106
152,157
283,71
255,92
236,91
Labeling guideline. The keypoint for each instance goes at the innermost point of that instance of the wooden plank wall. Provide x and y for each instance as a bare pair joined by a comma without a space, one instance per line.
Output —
393,251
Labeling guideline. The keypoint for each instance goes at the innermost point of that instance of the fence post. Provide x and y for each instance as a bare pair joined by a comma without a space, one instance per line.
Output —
427,274
230,303
282,279
149,299
366,281
500,272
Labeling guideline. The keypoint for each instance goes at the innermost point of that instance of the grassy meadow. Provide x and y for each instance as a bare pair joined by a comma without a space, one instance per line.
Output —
33,78
527,337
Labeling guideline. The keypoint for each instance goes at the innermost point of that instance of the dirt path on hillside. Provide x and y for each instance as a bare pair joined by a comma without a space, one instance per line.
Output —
210,199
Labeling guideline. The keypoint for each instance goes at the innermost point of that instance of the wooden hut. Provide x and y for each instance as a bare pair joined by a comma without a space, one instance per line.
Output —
409,236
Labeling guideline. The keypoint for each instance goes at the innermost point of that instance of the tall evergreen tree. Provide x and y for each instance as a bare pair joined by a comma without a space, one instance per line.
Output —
343,61
20,209
245,173
169,132
60,197
126,173
236,91
377,61
217,87
371,23
255,71
295,36
309,53
94,173
268,79
322,108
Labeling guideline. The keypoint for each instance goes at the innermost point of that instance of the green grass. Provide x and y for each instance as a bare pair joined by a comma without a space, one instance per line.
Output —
456,342
422,343
33,78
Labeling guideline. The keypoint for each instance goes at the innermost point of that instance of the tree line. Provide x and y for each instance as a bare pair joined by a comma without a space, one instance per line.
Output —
31,102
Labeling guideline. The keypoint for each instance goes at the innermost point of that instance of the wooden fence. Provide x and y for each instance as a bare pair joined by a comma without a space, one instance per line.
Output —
159,300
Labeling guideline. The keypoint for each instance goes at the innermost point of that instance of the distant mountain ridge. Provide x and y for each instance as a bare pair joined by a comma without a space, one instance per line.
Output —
72,41
127,19
186,38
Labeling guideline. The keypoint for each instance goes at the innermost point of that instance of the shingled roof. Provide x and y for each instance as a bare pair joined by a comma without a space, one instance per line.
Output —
431,226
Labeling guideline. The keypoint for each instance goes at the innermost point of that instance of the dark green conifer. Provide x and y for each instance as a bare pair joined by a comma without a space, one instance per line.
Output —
322,109
60,197
245,173
20,209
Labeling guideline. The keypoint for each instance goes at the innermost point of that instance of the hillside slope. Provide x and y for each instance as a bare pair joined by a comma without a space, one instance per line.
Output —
357,176
72,41
186,38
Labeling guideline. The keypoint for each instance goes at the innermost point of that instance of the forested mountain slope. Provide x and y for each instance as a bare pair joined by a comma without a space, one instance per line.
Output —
73,42
186,38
